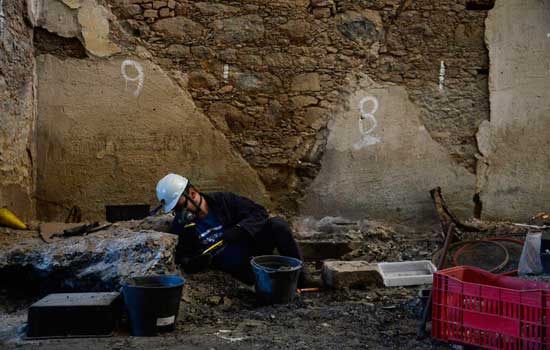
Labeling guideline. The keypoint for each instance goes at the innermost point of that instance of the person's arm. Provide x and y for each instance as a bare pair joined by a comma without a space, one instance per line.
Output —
250,217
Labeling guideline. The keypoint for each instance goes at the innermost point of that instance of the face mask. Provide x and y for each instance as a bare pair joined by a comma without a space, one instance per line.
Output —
187,215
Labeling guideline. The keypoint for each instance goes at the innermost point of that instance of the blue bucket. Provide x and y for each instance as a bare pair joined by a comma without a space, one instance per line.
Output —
276,278
152,303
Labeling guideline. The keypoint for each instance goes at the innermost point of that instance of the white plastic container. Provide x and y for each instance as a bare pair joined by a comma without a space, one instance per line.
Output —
407,273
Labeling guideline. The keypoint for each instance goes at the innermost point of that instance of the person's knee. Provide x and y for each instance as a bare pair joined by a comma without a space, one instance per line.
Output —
279,224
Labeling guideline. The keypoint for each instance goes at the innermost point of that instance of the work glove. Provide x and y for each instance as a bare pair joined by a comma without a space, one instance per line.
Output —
197,264
234,234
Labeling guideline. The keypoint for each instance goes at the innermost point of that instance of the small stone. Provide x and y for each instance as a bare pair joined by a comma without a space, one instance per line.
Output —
306,82
226,89
321,12
164,12
171,4
159,4
215,299
150,14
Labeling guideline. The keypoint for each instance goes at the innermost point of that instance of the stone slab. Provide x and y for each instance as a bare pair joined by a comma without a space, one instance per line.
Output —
346,274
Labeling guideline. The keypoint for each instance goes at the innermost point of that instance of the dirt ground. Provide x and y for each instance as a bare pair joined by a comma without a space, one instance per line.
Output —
220,312
217,311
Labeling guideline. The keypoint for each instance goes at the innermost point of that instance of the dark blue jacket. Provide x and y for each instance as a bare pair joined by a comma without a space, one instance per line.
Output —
230,209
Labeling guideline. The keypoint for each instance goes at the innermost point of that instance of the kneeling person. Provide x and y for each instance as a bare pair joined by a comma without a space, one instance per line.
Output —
203,220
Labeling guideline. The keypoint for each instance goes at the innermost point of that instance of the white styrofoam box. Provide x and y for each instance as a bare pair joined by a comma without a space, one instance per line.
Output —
407,273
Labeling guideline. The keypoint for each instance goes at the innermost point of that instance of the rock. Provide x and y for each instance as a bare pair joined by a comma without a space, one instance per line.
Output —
158,4
321,12
239,29
58,18
181,28
202,80
95,29
258,82
178,50
303,101
171,4
315,117
150,14
346,274
215,300
100,261
208,9
306,82
365,26
74,4
228,117
164,12
297,30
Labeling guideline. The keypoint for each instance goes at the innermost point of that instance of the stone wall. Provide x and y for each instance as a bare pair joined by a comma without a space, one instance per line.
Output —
514,170
357,107
271,75
17,109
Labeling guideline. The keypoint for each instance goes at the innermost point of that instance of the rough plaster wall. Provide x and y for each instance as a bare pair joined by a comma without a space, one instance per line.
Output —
515,143
17,109
109,130
385,167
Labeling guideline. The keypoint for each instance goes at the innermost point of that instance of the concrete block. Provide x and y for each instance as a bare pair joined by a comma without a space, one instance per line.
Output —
342,274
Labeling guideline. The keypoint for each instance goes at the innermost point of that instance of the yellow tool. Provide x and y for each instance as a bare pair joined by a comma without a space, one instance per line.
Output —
212,247
7,218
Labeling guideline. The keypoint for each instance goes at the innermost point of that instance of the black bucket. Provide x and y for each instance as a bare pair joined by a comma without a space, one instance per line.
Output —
276,278
152,303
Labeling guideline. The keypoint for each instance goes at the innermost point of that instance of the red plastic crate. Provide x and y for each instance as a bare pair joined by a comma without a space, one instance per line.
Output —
474,307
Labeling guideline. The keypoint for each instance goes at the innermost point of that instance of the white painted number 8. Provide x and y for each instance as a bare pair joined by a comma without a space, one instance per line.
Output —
369,115
366,139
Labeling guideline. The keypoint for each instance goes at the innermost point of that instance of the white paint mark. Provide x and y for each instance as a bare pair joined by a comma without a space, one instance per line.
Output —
441,75
139,77
366,139
2,18
225,72
221,335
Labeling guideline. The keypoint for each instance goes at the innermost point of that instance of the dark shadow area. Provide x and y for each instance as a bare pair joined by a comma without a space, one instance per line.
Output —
49,43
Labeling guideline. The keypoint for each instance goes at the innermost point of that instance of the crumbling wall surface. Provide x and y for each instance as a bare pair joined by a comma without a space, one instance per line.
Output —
386,167
515,143
271,74
108,130
17,105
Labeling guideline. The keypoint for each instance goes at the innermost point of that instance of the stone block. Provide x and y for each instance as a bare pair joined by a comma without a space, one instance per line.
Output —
159,4
303,101
164,12
179,28
306,82
346,274
150,14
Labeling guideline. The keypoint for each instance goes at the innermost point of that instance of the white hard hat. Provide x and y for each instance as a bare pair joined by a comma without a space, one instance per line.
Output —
169,190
